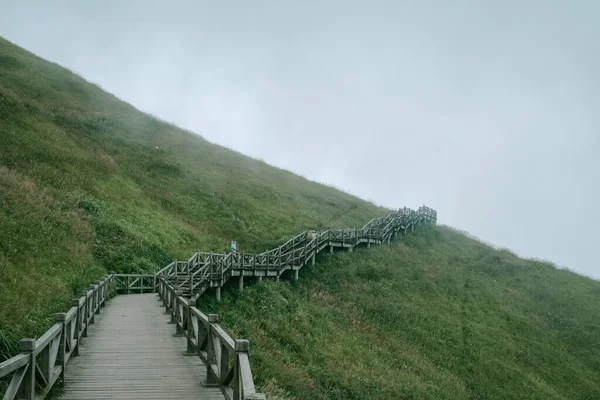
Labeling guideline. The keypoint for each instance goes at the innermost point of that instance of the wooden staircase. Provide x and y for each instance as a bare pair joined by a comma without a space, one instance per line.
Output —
206,270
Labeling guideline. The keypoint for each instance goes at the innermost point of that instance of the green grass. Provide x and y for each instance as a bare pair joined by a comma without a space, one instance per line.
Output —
88,185
436,315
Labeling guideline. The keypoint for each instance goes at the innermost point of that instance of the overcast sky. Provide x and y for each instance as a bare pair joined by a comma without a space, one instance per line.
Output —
488,111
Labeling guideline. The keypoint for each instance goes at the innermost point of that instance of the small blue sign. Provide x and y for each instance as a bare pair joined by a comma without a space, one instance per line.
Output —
233,246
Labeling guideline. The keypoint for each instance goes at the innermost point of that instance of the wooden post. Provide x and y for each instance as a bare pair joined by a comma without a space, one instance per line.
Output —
192,284
175,307
241,281
97,292
61,355
211,356
296,274
224,363
75,303
314,256
86,309
101,289
107,289
277,278
260,278
241,348
92,299
212,268
173,310
218,294
166,295
27,346
191,350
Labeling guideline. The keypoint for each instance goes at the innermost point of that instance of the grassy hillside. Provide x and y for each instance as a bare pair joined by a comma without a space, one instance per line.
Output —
436,315
89,184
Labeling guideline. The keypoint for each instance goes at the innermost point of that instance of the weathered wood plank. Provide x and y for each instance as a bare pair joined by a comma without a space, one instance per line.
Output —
130,353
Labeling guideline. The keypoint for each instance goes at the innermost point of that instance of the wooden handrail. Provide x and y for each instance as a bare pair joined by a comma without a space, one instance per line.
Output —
226,359
30,378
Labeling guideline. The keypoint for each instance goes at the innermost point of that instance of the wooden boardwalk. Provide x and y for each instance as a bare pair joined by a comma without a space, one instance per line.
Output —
127,350
130,353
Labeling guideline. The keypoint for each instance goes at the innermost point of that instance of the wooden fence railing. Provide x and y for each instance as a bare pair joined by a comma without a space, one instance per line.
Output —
33,373
226,359
135,283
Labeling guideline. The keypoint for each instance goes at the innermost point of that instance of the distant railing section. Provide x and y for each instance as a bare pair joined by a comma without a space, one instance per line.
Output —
34,372
134,283
226,359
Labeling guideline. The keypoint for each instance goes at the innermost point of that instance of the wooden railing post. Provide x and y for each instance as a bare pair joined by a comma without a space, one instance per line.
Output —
105,290
211,356
62,347
161,292
100,284
223,363
174,306
84,317
97,300
27,346
191,330
243,385
75,303
108,286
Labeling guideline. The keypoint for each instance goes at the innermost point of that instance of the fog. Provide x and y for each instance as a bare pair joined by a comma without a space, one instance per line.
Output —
486,112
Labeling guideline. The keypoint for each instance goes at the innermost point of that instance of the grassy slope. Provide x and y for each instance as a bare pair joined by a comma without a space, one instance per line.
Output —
84,190
436,315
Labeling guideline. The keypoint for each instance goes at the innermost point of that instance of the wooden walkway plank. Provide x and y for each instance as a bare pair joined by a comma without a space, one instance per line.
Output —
130,353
